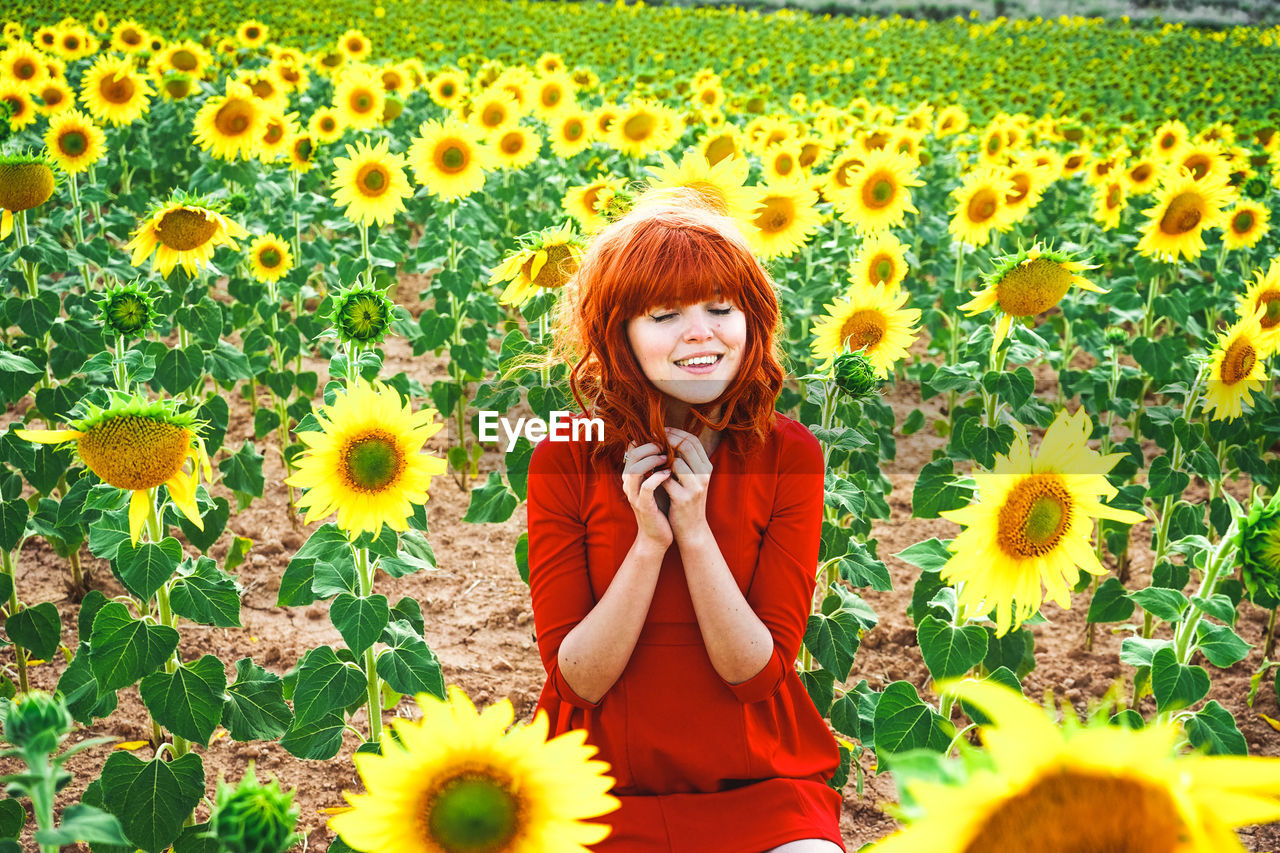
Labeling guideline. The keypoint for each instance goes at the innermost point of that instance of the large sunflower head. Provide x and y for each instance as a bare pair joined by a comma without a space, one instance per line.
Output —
26,181
878,197
1184,208
1027,283
370,183
463,781
785,217
184,230
1080,787
74,141
448,88
1245,225
137,444
22,63
366,462
882,259
114,91
981,206
869,319
546,261
355,45
721,186
1263,298
230,126
1031,520
450,158
1236,369
269,258
644,127
128,36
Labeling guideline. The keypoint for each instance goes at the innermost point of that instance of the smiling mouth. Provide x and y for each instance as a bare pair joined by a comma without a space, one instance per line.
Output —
701,361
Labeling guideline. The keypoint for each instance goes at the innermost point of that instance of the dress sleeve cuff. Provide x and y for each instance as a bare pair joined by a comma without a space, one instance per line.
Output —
567,694
763,684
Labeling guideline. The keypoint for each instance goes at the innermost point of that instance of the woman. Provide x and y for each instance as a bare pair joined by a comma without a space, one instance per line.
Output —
672,563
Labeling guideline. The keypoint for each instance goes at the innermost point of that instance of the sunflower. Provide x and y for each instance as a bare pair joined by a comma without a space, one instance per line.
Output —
721,186
182,231
708,95
365,461
276,133
252,33
952,119
1235,368
980,206
839,177
1109,202
1205,161
355,46
1143,175
137,445
22,64
114,91
549,63
1184,208
882,259
583,203
870,320
267,87
450,158
518,83
370,183
302,152
74,141
1025,284
784,218
55,97
16,104
359,98
26,181
643,127
229,126
74,41
1082,787
782,163
1029,181
326,125
187,56
269,258
461,781
570,132
546,262
604,117
293,75
1246,223
723,144
878,196
494,109
516,147
448,88
553,93
1032,520
1168,138
1263,298
128,36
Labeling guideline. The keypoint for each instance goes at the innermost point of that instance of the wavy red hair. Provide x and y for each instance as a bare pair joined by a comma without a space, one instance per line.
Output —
670,249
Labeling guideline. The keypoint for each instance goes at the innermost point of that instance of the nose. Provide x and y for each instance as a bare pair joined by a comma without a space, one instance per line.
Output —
698,325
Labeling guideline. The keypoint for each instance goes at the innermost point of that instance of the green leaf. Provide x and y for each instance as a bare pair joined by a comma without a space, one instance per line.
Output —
327,545
197,839
12,818
228,364
79,689
832,643
144,568
1176,685
152,798
982,443
1139,651
13,522
1014,651
861,569
243,471
1213,729
409,665
360,621
999,675
950,652
492,502
414,555
254,708
937,490
930,555
1166,604
214,519
37,629
85,823
408,610
820,685
123,649
325,684
1110,602
107,534
1221,645
1163,481
522,556
1219,606
188,701
903,722
318,739
204,593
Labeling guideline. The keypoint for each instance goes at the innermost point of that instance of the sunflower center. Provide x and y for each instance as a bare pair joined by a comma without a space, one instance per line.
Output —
184,60
1114,197
783,164
133,452
558,268
1269,302
128,313
372,461
878,191
1198,165
1035,517
550,97
994,144
302,148
573,130
24,69
639,128
73,143
778,214
52,96
355,45
270,258
361,102
1033,287
881,269
1021,186
372,180
251,33
131,36
493,116
24,185
1242,222
1183,214
363,318
512,143
328,124
451,158
982,206
1124,816
183,229
1238,361
473,813
274,133
234,117
1141,172
1168,141
863,330
720,148
117,90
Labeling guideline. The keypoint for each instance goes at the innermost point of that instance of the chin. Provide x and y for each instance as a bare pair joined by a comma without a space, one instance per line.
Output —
694,392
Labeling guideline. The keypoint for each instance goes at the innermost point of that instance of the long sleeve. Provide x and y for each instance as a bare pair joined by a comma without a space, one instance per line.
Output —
781,591
558,581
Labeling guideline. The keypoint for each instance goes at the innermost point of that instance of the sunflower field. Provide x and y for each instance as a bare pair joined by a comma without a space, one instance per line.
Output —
260,275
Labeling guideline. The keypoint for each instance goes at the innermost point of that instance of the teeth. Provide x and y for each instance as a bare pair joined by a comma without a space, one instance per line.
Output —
702,359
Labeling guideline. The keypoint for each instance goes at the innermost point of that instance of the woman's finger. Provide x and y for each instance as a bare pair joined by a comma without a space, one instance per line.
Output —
690,447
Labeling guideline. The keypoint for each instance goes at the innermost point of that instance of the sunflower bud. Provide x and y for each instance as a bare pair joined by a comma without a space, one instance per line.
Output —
127,310
1255,188
253,818
177,85
1116,336
1260,552
362,315
36,723
237,203
854,375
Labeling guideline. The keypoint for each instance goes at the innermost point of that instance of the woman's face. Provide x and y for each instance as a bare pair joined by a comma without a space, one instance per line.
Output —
690,352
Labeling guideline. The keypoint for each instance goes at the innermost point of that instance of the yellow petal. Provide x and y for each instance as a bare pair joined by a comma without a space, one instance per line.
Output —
48,436
139,510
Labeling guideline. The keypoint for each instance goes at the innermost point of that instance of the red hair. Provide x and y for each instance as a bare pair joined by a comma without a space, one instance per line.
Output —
670,250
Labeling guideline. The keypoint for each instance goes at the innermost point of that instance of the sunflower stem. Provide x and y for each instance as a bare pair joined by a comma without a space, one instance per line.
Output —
364,250
30,271
93,205
19,653
77,576
1271,634
155,533
79,226
297,226
365,572
118,366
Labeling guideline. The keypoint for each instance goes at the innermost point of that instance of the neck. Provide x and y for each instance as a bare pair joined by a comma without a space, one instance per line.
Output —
676,411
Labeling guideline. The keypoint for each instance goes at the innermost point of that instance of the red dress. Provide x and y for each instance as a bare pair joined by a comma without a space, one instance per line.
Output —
700,765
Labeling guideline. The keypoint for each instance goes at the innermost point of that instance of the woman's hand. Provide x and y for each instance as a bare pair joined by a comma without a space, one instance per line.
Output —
688,486
639,482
